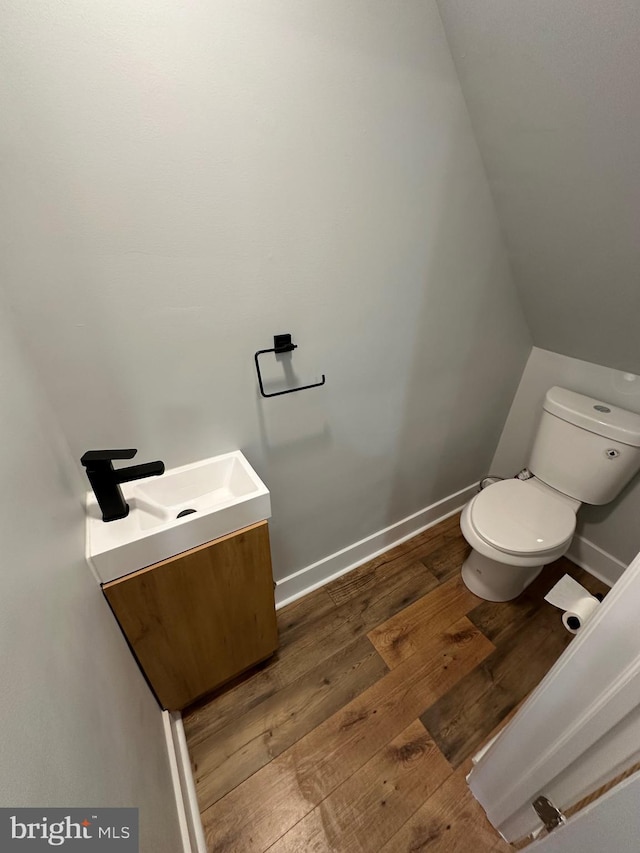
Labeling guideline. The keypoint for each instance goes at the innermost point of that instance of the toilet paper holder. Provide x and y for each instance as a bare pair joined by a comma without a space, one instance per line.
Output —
281,344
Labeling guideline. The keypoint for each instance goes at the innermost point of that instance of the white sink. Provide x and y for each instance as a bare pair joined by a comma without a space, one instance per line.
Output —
225,492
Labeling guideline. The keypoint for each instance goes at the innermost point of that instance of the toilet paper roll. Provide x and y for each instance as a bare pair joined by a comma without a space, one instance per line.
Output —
577,602
576,618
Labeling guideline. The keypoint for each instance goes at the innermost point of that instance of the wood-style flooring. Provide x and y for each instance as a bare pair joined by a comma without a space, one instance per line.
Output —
356,736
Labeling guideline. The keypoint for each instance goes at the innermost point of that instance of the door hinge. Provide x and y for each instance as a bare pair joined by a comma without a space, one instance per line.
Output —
550,816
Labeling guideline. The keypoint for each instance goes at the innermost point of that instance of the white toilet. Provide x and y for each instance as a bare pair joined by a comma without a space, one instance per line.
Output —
585,451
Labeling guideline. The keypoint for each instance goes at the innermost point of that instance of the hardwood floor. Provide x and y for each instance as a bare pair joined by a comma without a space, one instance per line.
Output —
356,737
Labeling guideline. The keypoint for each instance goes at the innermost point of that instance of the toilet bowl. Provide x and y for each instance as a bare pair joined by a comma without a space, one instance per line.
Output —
584,451
515,527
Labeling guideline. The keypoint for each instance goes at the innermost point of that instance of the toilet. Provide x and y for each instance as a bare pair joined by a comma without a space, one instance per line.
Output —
585,451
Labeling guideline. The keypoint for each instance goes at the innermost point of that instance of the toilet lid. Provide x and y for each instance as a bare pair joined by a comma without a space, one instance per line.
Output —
519,519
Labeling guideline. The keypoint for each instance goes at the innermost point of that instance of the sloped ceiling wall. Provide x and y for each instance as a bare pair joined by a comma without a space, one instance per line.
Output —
553,87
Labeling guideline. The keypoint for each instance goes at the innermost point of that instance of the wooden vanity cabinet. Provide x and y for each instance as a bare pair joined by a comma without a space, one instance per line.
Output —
200,618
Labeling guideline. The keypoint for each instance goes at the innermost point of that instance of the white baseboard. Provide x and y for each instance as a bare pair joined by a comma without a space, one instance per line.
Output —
184,789
594,560
312,577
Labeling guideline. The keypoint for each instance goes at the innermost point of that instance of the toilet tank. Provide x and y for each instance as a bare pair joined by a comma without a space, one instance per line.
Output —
585,448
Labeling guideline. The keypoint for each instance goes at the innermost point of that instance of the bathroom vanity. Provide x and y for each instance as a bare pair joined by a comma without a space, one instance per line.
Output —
197,620
187,573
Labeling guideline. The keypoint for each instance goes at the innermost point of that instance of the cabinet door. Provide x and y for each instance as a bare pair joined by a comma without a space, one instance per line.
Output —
198,619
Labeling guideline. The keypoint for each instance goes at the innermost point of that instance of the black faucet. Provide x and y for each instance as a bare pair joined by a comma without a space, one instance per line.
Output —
105,480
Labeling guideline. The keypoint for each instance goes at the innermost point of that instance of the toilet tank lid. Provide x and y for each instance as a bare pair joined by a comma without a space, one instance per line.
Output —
594,415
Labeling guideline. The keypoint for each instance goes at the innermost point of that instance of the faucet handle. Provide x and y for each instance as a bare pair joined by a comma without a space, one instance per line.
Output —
106,455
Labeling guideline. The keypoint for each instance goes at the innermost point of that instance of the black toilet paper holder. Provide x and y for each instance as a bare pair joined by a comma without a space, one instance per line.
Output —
281,344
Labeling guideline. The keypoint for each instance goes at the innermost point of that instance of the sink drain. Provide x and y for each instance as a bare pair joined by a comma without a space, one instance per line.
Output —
185,512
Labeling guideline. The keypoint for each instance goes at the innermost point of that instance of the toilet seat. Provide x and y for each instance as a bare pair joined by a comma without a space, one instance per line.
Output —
517,519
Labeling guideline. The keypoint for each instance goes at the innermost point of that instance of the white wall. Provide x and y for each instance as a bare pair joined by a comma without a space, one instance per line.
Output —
79,725
553,93
614,527
185,180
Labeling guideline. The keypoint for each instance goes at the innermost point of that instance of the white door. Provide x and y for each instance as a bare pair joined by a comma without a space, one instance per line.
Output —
579,728
612,823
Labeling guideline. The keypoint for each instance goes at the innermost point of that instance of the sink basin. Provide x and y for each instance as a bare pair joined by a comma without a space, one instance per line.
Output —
183,508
